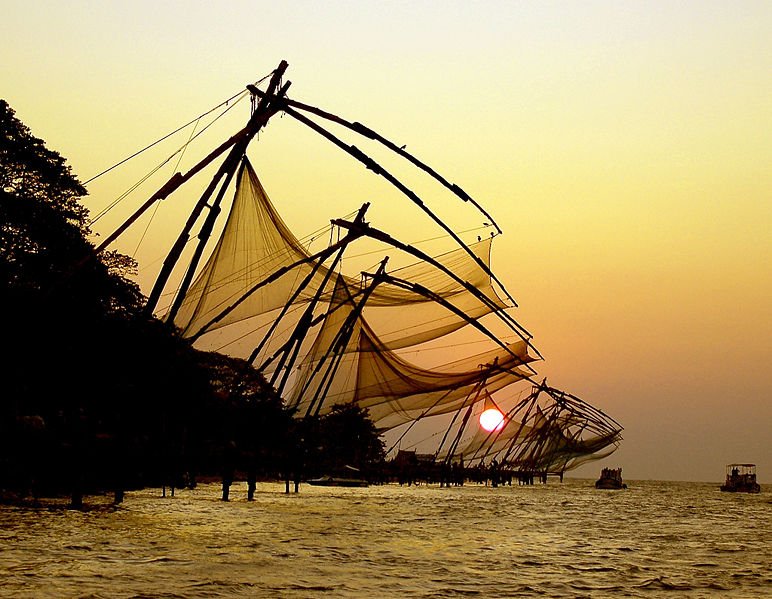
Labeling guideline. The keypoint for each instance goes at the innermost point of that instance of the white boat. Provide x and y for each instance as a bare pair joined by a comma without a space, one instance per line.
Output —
741,478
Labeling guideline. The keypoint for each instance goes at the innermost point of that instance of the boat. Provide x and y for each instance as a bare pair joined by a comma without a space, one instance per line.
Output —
741,478
336,481
349,479
610,478
322,336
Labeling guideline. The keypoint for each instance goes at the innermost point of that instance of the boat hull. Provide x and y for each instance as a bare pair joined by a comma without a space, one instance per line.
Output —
756,488
740,478
609,484
610,478
332,481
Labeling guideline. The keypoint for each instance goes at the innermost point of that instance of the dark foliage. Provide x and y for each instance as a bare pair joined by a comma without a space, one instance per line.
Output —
244,414
96,395
29,169
93,389
342,439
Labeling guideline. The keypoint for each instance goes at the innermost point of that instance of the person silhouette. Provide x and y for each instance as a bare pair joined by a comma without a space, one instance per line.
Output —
228,468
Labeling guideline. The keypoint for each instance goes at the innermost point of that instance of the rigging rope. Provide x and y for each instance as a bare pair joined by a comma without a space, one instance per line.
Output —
177,130
157,168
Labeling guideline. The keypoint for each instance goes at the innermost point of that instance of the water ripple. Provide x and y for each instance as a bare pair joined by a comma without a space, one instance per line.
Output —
556,540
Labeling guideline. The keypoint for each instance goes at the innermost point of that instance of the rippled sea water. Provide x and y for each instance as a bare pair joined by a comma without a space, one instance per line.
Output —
555,540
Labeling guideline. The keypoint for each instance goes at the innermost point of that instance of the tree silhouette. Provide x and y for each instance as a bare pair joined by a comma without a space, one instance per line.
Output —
98,395
349,438
101,381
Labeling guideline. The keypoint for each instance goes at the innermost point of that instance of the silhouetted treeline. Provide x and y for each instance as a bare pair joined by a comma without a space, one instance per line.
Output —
98,396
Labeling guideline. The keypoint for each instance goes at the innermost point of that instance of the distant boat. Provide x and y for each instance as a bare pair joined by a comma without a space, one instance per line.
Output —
741,478
349,479
337,481
610,478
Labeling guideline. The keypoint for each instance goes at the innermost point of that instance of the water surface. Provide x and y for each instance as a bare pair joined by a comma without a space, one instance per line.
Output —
556,540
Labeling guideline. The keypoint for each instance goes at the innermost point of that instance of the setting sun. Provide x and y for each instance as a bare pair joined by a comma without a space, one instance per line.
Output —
491,419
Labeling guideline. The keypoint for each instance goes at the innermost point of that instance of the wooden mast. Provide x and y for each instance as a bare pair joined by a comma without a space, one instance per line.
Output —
370,134
259,118
373,233
317,258
379,170
337,347
167,188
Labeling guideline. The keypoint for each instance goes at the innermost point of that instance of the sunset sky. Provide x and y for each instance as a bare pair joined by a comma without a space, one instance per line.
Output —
625,149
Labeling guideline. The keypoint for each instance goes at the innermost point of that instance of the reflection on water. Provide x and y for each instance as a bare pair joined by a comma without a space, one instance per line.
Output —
555,540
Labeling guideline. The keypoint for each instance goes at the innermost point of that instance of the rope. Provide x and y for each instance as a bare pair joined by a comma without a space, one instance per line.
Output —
177,130
157,168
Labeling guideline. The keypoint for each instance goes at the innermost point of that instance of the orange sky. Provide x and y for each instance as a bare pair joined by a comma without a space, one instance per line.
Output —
623,147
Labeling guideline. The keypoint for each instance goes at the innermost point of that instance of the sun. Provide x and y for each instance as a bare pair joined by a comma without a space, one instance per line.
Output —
491,420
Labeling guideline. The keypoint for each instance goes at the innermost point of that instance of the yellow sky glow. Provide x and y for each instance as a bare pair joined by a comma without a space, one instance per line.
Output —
623,147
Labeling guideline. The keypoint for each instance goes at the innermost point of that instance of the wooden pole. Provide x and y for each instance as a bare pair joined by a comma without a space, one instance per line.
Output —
167,188
338,345
379,170
371,134
369,231
260,117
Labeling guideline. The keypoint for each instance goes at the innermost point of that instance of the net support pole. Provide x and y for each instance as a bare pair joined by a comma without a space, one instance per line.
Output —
259,118
371,134
175,181
379,170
